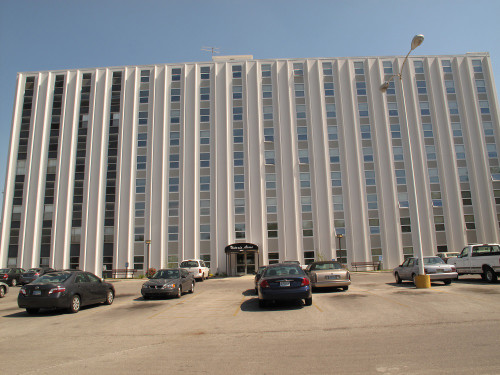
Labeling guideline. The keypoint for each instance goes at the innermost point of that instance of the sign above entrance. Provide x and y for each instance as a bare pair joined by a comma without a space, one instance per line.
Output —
241,248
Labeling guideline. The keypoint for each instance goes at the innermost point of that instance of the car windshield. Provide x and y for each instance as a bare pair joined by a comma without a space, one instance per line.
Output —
292,261
327,266
53,278
33,270
284,270
166,274
189,264
433,260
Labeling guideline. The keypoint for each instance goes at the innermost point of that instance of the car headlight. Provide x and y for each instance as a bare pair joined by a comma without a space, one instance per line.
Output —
168,286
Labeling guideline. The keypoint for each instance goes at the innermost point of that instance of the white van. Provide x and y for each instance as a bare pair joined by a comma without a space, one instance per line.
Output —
479,259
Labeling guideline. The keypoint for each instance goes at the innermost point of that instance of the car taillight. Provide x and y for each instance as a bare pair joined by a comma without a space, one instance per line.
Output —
453,269
264,284
305,282
199,271
348,275
22,291
58,289
5,276
36,274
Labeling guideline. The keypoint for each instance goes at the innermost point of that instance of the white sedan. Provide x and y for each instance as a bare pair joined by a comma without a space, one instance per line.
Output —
435,267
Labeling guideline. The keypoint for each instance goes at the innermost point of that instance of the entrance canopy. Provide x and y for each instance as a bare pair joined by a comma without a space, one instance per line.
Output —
240,248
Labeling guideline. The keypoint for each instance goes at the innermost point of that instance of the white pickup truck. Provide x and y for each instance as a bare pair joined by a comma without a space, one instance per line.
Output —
480,259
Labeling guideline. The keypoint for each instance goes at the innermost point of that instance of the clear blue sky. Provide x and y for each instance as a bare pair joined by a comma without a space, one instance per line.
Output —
63,34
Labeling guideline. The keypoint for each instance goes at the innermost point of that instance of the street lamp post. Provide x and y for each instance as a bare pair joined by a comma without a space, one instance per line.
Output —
148,242
422,280
339,236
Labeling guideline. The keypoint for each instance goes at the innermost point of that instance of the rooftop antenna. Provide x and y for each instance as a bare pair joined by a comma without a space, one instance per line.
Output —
211,49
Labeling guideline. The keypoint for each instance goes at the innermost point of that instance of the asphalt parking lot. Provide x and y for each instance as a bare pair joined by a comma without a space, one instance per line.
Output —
376,327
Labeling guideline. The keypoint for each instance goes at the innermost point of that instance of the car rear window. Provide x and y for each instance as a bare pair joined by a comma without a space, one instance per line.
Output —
327,266
53,278
283,271
189,264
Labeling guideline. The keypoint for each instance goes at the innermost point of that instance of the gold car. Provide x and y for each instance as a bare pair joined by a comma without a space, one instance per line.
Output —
328,274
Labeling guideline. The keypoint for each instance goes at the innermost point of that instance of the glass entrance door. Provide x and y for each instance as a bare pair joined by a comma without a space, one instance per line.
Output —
245,263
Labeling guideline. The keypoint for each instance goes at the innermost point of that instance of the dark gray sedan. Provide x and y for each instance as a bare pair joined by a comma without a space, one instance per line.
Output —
171,282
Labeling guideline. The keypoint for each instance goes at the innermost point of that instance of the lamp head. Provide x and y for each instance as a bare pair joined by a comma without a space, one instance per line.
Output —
416,41
384,86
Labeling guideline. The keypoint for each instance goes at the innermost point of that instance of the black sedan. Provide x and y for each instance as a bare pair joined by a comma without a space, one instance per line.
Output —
284,281
11,276
33,274
170,282
65,289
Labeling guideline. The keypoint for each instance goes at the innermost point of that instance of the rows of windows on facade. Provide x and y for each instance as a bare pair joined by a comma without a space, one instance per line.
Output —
239,146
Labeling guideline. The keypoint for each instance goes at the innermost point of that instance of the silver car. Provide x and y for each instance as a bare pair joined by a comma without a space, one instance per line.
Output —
435,267
328,274
4,289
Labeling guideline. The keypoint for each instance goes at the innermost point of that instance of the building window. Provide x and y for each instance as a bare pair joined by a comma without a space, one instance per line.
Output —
204,232
359,67
271,181
470,223
446,64
405,224
271,205
236,71
267,91
239,206
205,72
272,231
336,178
239,230
298,70
305,180
307,228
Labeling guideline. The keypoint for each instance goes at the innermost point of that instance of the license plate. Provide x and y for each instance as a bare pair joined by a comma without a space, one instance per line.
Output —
284,283
332,277
37,292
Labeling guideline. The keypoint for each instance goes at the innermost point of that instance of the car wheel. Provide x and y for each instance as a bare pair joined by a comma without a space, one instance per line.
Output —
256,291
31,310
2,291
344,288
75,305
398,279
110,296
191,290
490,275
13,282
262,303
447,282
308,301
179,292
145,296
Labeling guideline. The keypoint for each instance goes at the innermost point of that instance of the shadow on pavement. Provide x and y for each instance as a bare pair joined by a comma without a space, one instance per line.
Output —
252,305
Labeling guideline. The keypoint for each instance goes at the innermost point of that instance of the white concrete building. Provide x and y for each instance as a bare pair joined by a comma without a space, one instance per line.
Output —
284,154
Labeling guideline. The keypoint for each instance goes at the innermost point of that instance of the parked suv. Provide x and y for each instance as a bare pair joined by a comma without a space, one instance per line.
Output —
11,276
479,259
196,267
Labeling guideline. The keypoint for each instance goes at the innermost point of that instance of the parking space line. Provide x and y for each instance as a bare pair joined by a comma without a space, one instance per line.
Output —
238,309
314,304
